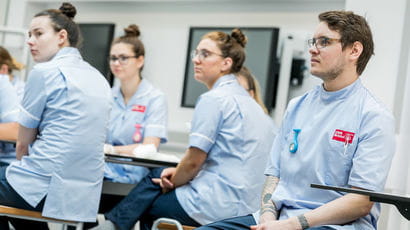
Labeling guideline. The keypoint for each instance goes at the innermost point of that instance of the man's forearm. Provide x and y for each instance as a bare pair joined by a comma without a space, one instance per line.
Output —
267,205
343,210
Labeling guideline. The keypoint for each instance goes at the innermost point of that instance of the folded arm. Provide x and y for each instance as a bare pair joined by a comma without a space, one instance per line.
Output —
128,149
26,136
8,131
186,170
189,166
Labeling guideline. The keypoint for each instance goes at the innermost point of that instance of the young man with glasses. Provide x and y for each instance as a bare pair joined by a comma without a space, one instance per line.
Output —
336,134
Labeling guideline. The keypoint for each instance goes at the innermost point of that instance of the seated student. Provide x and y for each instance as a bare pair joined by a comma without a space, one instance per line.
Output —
337,134
8,120
7,65
249,82
228,147
63,123
139,114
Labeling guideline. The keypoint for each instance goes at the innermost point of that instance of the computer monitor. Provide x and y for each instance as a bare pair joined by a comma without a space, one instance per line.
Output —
96,45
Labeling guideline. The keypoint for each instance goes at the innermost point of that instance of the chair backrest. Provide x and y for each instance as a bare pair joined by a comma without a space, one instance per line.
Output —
169,224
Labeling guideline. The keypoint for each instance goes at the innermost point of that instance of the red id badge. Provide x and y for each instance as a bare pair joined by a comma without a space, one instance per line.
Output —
139,108
343,136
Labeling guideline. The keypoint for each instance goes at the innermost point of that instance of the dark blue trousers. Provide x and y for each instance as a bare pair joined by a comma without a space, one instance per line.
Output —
236,223
9,197
241,223
145,203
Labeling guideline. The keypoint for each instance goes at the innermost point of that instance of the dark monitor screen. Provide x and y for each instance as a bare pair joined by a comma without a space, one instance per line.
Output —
261,59
96,45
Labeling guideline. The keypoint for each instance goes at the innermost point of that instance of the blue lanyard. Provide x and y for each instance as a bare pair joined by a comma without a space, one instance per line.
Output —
293,147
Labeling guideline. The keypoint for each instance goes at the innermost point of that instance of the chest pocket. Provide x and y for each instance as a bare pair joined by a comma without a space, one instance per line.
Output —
339,157
136,117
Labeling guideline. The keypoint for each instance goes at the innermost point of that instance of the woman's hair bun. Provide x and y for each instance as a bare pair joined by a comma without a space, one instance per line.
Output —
239,37
68,10
132,31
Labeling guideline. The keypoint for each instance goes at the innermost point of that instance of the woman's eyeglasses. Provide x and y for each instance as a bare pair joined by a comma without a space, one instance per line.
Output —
123,60
202,54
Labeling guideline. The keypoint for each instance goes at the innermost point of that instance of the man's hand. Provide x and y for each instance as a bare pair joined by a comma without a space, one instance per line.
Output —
165,180
289,224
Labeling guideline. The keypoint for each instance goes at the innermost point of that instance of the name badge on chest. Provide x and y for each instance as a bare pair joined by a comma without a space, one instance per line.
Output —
343,136
139,108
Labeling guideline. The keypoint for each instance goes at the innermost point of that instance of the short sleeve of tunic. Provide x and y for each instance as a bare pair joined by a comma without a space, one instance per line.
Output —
371,162
34,100
157,118
205,123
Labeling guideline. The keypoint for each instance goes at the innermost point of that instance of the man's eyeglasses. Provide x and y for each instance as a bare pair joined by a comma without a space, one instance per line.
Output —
202,54
123,60
321,42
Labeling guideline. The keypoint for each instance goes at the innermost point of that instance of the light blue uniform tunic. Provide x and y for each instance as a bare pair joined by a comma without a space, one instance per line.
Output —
69,102
237,135
9,109
346,139
147,109
18,85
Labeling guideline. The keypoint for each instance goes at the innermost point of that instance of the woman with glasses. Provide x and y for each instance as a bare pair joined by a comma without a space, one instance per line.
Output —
229,142
62,126
139,114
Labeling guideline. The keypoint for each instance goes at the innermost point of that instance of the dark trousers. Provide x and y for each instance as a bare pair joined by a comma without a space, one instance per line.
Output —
241,223
9,197
146,202
236,223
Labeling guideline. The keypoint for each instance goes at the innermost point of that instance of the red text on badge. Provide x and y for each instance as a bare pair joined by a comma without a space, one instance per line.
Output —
343,136
138,108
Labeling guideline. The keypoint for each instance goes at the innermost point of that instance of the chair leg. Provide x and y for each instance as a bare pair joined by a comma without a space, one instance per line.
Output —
79,226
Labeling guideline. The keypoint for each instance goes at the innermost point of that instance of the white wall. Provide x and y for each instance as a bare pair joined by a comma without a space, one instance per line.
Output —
386,19
3,11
